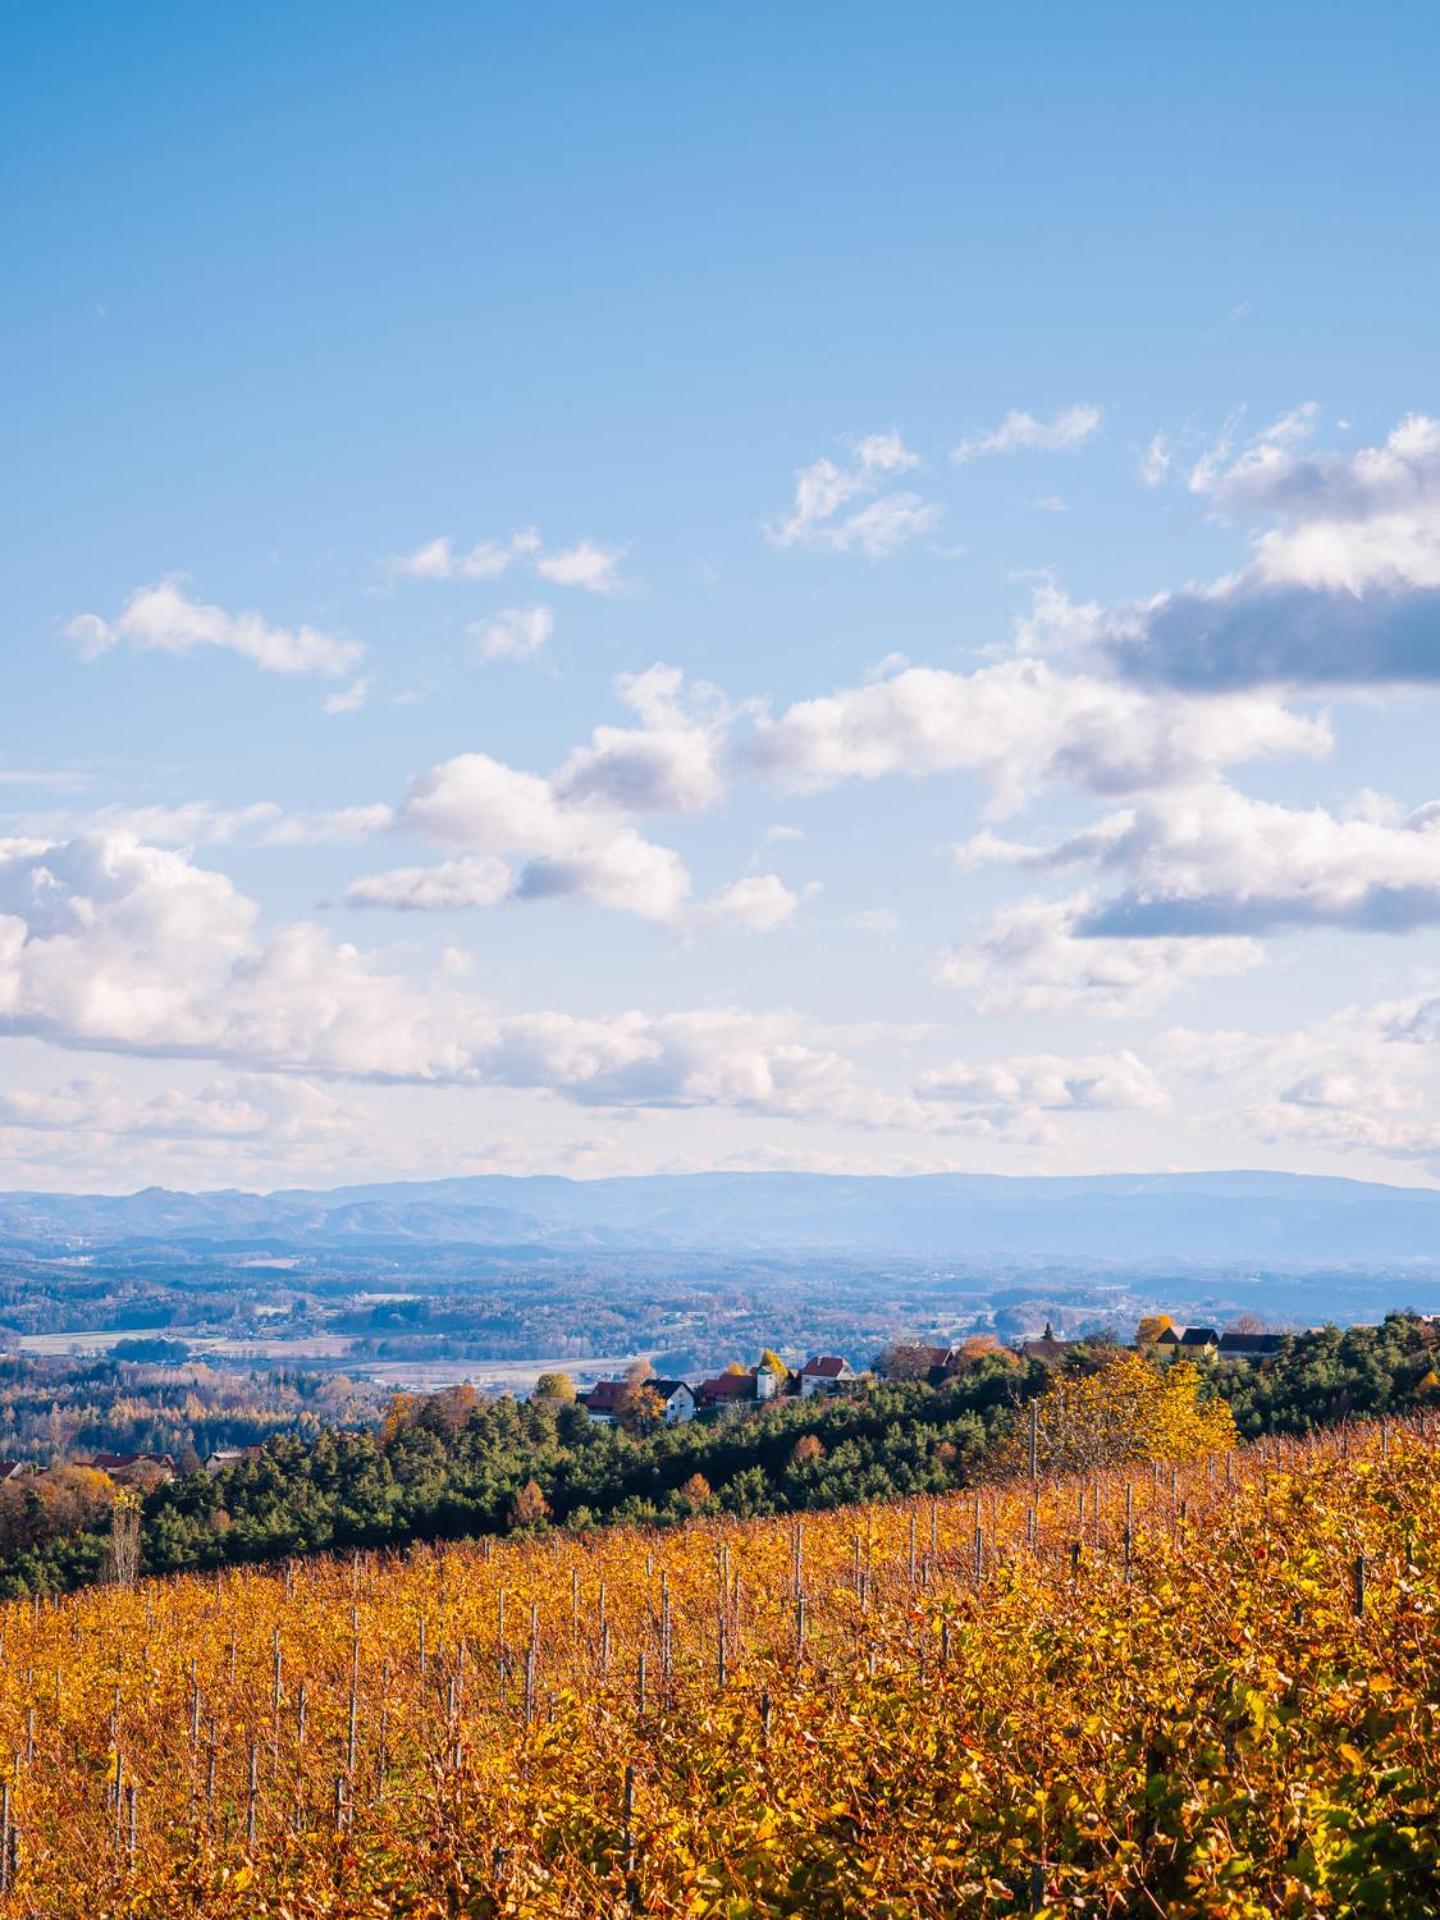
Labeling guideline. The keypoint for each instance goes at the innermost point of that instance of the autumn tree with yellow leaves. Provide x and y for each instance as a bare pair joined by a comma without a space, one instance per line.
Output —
1128,1409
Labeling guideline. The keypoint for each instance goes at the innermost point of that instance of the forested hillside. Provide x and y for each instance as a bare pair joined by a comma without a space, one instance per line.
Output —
450,1466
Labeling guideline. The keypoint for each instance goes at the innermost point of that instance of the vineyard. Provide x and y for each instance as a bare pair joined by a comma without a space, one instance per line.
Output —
1208,1688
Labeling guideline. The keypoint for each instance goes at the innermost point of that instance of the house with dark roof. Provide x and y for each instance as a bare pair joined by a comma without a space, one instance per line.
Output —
15,1469
824,1373
221,1457
746,1389
608,1399
1047,1349
1251,1346
126,1467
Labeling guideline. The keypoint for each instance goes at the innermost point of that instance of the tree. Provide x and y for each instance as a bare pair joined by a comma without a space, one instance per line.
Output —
695,1492
638,1372
1151,1328
807,1450
1246,1323
399,1415
641,1410
122,1556
737,1367
556,1387
529,1507
1127,1409
770,1362
905,1360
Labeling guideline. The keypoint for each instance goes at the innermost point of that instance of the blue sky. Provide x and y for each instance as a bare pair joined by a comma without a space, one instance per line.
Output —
600,589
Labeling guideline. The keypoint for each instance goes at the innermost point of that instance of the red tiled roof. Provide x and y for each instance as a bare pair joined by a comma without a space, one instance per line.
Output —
729,1386
827,1366
607,1396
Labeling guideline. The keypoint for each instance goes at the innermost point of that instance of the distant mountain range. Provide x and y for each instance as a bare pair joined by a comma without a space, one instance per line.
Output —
1275,1220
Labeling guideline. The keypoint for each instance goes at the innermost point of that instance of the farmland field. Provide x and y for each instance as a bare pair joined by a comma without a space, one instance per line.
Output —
1201,1689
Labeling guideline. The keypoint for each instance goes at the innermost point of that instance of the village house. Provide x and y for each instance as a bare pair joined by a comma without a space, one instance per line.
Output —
608,1399
824,1373
130,1467
1187,1343
221,1457
1047,1349
1251,1346
747,1388
15,1469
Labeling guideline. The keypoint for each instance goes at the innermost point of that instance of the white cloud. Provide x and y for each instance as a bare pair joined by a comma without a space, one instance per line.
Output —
587,564
515,633
1211,860
350,699
817,518
256,1108
481,880
1035,958
1156,460
439,560
622,871
201,823
163,619
758,903
106,944
669,765
1019,725
1044,1082
1018,432
1341,588
1364,1080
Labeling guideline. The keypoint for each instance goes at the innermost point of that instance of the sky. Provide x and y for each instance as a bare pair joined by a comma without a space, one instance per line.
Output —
600,590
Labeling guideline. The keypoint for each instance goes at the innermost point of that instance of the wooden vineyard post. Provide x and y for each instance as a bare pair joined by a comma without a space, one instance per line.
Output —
131,1826
1129,1546
5,1837
640,1682
628,1834
1034,1447
252,1791
1357,1585
911,1564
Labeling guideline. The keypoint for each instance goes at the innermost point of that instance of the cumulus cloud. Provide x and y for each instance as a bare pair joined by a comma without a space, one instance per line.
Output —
1363,1080
515,633
164,619
532,837
106,944
480,881
1018,725
587,564
758,903
1039,957
1064,432
825,515
669,764
1044,1082
1342,587
1211,860
259,1108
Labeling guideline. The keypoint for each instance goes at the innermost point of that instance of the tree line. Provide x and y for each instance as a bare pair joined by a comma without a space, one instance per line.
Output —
450,1465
